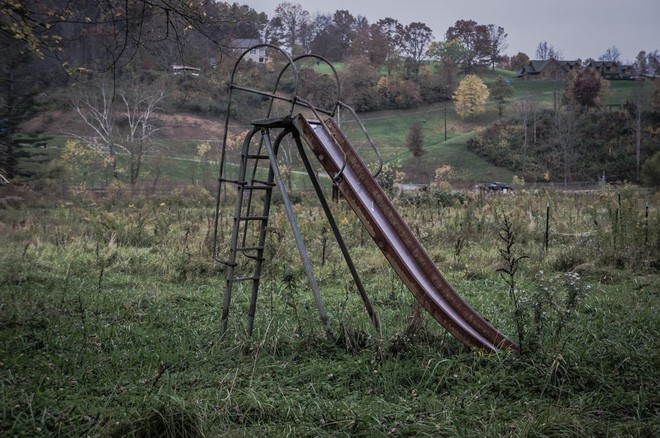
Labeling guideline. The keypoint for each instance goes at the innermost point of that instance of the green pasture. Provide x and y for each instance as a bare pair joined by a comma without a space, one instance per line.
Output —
111,306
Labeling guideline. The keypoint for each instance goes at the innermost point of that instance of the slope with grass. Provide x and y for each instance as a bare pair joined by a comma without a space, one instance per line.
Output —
111,311
180,134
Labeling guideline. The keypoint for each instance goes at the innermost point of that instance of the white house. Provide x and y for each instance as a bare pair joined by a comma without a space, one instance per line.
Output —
185,70
257,55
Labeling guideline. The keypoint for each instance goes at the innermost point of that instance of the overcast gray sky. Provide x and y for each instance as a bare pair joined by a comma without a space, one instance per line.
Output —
578,28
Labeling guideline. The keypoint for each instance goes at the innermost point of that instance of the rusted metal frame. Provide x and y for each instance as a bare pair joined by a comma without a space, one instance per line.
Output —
444,289
337,233
270,149
398,246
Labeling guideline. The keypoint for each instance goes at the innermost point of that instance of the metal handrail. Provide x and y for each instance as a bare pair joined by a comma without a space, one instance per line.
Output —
223,153
364,130
315,109
332,112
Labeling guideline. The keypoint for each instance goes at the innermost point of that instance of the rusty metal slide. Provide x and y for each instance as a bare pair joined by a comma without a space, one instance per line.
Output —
395,239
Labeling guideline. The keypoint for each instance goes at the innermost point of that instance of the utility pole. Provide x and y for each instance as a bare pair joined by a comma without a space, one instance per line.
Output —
445,121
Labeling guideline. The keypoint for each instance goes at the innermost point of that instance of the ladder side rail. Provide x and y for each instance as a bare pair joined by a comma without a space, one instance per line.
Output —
231,262
262,237
223,153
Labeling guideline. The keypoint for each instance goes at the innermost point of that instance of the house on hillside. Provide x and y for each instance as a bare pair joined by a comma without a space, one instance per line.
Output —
257,55
613,69
627,72
550,69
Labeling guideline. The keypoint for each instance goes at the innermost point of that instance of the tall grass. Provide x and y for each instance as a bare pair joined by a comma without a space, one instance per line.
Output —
110,313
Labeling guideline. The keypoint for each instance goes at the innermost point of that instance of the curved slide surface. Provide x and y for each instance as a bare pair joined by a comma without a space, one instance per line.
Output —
396,240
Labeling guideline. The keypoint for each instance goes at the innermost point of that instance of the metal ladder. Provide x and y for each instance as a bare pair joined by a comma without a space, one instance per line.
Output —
243,215
246,185
247,223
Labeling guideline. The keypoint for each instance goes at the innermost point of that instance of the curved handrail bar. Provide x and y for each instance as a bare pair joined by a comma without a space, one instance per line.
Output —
233,86
330,113
315,109
364,130
338,103
223,153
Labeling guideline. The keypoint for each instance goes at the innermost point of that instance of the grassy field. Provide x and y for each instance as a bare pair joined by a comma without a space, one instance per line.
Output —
110,312
389,130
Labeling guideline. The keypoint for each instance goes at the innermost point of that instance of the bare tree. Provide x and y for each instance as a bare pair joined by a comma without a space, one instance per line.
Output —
545,51
124,126
612,54
139,111
97,113
498,43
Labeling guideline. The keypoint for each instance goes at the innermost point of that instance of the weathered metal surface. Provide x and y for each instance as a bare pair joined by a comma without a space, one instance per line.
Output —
396,240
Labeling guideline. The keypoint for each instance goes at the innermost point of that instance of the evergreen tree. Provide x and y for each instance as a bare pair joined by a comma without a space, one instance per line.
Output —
415,141
500,92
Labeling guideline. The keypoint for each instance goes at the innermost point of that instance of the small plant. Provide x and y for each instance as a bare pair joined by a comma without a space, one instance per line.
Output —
508,271
290,294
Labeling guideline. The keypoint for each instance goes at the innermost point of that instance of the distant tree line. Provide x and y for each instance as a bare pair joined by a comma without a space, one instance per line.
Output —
573,144
111,44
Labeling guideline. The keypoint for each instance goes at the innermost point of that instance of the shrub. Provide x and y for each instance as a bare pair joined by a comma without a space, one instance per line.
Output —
651,171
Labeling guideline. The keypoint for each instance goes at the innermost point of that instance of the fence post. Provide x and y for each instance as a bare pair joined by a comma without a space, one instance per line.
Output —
646,224
547,226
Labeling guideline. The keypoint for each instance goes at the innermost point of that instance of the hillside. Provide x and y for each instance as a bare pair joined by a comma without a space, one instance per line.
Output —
179,134
174,127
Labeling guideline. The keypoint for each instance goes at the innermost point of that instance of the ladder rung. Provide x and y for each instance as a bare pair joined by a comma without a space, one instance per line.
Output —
250,248
265,183
258,157
233,181
253,187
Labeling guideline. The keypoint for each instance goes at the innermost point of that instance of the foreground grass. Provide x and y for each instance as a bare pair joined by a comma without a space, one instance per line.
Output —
110,317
